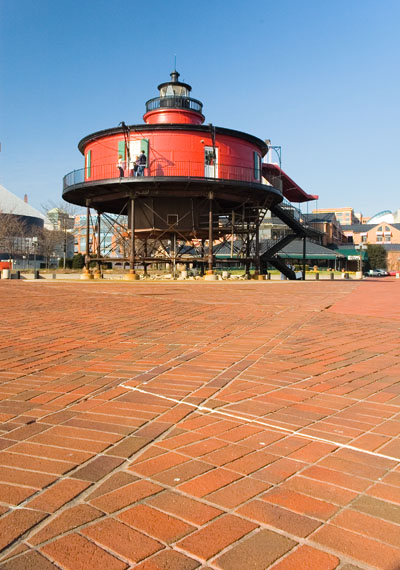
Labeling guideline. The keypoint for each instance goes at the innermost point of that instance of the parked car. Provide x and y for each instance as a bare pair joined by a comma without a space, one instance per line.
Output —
376,273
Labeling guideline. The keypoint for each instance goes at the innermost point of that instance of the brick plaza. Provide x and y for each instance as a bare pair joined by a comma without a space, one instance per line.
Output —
182,426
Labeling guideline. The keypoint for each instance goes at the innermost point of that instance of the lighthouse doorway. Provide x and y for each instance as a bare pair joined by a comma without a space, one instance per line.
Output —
210,162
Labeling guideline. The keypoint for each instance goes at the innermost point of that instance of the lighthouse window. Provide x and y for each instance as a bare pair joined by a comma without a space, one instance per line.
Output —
171,90
172,219
209,156
257,166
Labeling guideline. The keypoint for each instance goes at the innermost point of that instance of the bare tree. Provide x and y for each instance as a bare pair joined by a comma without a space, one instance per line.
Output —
14,235
51,244
63,207
62,216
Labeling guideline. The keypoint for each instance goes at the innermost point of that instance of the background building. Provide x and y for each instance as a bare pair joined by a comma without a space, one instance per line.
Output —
109,239
345,216
328,225
381,233
385,216
21,226
62,226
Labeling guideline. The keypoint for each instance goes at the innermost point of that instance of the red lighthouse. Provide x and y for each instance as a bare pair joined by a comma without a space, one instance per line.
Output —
183,184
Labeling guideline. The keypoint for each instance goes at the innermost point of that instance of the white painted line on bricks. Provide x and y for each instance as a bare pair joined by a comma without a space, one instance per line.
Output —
263,424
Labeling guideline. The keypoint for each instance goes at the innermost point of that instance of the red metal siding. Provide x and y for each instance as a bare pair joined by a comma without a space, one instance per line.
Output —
173,116
176,153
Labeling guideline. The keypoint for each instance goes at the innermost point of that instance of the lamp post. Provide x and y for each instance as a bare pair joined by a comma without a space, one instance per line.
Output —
34,245
62,220
360,247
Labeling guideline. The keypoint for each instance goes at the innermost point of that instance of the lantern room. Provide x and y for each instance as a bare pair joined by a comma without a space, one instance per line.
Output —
174,105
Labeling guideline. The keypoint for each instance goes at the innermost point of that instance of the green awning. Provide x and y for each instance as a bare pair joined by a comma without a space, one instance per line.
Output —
353,252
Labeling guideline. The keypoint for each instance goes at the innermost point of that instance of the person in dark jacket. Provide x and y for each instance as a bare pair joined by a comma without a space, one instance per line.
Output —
142,164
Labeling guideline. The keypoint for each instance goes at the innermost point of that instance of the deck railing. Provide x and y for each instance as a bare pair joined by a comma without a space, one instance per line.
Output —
174,102
164,168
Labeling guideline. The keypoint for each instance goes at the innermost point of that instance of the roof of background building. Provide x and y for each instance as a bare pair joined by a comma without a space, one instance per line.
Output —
364,228
384,216
294,250
313,250
328,217
339,210
11,204
349,248
391,246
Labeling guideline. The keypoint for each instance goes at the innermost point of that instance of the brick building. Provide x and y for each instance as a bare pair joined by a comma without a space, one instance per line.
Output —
345,216
382,233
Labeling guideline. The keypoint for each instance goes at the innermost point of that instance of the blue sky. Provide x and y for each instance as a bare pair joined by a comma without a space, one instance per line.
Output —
318,78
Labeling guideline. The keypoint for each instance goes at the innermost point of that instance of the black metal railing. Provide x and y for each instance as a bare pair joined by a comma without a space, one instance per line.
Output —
291,210
163,168
74,177
174,102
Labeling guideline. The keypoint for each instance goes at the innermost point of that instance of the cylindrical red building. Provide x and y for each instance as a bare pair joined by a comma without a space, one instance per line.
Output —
199,182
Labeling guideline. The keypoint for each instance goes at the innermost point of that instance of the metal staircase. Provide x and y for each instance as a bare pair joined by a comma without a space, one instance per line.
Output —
284,212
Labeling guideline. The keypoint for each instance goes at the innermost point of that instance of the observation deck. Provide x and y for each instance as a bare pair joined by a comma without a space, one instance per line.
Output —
185,179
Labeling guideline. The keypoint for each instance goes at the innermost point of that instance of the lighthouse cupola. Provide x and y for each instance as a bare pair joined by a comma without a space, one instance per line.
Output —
174,104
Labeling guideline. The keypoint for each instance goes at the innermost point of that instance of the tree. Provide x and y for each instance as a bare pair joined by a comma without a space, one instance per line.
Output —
51,244
14,235
65,207
377,256
78,261
62,218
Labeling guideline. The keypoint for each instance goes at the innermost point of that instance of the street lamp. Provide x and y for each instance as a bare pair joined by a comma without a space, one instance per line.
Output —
360,247
62,223
34,245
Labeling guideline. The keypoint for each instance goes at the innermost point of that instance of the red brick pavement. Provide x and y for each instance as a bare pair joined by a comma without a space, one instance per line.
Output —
226,426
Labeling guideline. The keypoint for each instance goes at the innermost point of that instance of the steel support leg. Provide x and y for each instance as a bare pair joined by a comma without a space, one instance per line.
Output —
87,252
98,243
210,232
257,260
132,256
